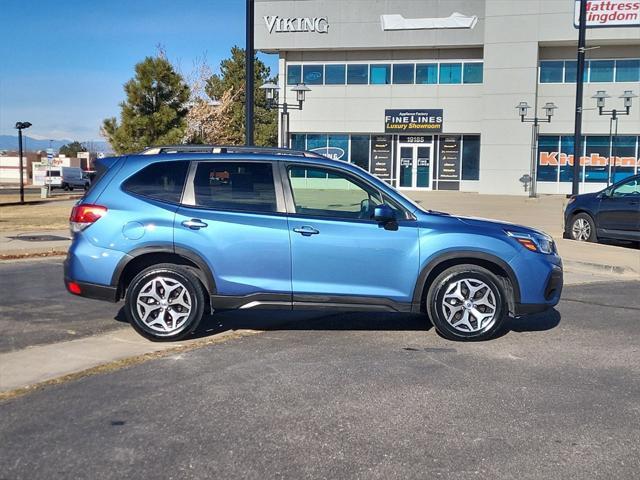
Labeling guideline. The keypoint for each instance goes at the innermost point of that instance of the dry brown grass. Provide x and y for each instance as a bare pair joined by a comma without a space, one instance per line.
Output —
48,215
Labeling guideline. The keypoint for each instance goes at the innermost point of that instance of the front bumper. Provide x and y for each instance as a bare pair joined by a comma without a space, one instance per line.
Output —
552,292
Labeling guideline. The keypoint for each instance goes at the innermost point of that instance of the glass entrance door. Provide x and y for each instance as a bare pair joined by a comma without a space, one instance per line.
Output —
414,166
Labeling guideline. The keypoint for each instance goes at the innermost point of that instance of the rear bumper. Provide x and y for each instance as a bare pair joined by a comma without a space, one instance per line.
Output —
91,290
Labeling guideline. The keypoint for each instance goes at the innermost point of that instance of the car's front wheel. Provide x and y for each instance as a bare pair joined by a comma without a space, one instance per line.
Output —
583,229
165,302
467,302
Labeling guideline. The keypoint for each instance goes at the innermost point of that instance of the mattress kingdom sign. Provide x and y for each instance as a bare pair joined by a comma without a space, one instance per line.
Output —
413,121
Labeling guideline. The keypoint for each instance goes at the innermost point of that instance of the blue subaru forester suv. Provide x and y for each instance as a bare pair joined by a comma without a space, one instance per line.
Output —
178,232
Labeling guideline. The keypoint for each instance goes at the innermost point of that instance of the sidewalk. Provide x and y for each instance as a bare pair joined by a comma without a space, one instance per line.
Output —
544,213
33,243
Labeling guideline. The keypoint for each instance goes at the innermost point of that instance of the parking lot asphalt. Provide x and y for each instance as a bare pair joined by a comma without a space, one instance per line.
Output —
357,396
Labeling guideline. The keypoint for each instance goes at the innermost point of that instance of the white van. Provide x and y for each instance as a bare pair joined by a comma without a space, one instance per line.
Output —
74,177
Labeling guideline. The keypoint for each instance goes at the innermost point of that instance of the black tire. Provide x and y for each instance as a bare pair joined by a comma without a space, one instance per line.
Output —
461,275
70,188
65,187
152,328
583,228
86,187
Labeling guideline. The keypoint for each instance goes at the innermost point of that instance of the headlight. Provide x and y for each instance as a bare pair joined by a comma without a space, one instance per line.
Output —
571,200
534,242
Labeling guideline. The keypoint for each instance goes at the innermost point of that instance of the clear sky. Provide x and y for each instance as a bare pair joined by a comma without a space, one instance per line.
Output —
63,62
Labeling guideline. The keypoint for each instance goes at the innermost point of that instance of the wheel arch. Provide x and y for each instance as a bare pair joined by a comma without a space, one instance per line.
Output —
139,259
491,262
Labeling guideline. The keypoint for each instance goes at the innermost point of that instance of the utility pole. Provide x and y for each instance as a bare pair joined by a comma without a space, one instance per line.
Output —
577,141
249,81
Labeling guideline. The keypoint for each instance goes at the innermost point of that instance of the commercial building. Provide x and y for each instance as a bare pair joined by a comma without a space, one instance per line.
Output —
423,93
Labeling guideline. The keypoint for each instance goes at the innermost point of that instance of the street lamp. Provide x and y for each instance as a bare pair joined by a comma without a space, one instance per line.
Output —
601,97
523,108
21,126
271,93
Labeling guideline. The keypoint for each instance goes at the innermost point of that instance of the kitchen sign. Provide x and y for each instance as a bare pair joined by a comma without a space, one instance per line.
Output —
276,24
413,121
609,13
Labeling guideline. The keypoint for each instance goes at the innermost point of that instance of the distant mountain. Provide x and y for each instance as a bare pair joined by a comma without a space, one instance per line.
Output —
10,142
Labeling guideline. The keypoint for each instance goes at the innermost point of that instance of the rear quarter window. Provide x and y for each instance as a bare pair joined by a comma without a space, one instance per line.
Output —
161,181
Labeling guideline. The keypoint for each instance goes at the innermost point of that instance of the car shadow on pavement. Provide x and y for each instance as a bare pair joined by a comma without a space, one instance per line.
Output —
271,320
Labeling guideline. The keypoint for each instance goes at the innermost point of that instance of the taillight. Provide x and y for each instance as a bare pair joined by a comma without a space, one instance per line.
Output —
84,215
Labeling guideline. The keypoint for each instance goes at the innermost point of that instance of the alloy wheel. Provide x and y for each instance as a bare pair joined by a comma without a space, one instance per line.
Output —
164,305
581,230
469,305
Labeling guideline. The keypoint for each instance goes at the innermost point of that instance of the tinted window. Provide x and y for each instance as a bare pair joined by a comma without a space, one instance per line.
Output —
403,73
601,71
551,72
357,74
627,70
313,74
380,74
473,73
160,180
427,73
598,171
327,193
471,157
571,71
294,74
235,186
334,74
630,188
360,150
450,73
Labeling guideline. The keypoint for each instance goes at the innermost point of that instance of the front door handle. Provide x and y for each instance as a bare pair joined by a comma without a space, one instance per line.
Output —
194,224
306,231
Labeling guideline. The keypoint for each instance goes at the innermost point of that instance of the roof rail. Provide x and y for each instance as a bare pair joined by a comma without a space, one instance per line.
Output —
226,149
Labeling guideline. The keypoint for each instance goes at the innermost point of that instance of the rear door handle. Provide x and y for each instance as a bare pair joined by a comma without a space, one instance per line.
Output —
194,224
306,231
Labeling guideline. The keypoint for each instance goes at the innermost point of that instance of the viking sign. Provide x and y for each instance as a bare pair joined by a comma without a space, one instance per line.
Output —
278,24
413,121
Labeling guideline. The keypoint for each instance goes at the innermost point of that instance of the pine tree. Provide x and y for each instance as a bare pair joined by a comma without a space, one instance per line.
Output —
154,111
232,79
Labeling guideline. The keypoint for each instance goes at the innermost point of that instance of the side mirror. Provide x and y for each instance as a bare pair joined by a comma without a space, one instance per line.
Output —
384,213
606,193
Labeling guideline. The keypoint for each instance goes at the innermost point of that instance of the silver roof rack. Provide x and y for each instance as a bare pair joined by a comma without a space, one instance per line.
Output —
168,149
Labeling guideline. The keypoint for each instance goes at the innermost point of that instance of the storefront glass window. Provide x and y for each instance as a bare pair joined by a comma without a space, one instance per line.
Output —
628,71
566,147
551,72
548,169
601,71
334,74
624,149
571,71
313,74
403,73
360,150
357,74
338,147
298,141
380,74
472,73
597,150
450,73
294,74
427,73
471,157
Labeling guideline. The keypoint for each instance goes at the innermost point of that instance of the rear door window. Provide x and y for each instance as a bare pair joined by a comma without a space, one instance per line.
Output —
161,181
244,186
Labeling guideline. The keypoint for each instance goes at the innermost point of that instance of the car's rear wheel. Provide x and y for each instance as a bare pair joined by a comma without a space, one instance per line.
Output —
65,187
165,302
583,228
467,302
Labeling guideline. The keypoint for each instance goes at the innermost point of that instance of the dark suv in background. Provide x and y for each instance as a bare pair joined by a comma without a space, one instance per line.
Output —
612,213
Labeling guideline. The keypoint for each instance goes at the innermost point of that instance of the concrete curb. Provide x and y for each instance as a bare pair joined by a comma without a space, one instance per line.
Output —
26,370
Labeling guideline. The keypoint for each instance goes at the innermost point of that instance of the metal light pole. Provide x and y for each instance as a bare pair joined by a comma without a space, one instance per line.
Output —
249,81
523,108
601,97
21,126
577,140
271,92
